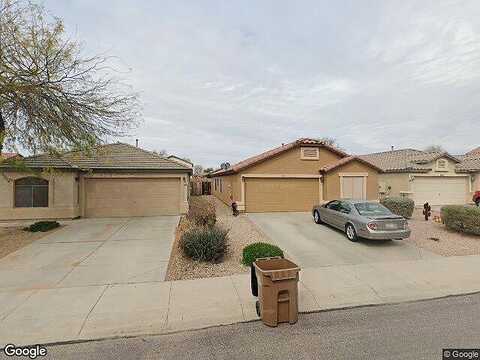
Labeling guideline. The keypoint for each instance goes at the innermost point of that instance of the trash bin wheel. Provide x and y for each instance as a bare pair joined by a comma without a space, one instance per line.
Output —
257,306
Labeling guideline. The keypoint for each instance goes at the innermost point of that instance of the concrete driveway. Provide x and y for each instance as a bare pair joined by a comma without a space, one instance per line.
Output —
313,245
49,288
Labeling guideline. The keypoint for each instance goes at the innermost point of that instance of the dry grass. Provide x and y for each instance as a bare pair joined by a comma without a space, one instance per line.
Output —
14,238
436,238
242,232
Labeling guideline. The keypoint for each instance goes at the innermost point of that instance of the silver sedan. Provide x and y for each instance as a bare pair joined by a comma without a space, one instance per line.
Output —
362,219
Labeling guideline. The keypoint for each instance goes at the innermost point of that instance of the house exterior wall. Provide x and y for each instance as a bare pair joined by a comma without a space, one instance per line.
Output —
67,193
402,183
62,197
292,167
331,182
394,184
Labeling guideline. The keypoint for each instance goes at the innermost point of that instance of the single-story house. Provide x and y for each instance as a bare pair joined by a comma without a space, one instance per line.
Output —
9,155
294,177
438,178
181,161
114,180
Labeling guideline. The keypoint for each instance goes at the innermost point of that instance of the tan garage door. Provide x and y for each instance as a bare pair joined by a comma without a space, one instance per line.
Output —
439,190
265,194
132,197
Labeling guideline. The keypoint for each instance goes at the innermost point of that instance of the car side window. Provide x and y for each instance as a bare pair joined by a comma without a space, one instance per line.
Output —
345,208
334,205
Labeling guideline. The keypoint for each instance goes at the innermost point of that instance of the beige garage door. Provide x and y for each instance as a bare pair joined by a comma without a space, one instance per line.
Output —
132,197
439,190
264,194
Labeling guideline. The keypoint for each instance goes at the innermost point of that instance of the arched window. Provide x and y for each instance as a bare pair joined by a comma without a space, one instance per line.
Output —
31,192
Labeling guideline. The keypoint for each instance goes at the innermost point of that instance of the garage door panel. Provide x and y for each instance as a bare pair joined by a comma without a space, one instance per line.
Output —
265,194
132,197
440,190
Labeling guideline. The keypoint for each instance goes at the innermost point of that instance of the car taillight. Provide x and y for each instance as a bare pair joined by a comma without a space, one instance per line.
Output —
372,226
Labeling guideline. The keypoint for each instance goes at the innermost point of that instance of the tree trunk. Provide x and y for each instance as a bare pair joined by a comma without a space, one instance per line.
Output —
2,131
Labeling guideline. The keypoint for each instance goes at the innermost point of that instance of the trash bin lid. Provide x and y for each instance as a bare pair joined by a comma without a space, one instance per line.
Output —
277,268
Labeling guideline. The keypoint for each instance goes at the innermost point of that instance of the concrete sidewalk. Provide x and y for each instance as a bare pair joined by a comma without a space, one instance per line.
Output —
91,312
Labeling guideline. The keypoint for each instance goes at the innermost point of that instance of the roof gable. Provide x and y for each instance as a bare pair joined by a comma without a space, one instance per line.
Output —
346,160
257,159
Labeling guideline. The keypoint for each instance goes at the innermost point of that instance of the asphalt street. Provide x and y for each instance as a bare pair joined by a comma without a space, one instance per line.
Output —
417,330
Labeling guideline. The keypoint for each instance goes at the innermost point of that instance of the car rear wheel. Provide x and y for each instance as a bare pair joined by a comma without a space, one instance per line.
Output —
351,233
316,217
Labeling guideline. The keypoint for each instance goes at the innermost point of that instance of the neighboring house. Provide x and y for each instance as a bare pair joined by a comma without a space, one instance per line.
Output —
114,180
434,177
294,177
181,161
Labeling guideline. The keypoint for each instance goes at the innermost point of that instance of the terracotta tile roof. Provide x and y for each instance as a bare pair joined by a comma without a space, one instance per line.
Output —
118,156
346,160
474,152
7,155
274,152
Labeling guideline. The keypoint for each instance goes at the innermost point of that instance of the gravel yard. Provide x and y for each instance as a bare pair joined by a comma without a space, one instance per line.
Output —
13,238
434,237
242,233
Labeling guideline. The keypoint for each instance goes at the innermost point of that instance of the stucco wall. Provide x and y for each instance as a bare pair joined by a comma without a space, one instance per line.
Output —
397,182
62,197
331,183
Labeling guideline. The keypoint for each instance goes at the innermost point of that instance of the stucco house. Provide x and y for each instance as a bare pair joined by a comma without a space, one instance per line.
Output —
438,178
114,180
294,177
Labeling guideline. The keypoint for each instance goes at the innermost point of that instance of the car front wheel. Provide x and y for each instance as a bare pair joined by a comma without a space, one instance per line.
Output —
351,233
316,217
477,202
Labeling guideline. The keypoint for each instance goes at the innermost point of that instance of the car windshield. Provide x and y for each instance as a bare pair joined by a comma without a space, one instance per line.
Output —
372,209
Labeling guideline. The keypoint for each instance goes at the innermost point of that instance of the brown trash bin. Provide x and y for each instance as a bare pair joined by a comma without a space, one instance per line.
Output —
277,290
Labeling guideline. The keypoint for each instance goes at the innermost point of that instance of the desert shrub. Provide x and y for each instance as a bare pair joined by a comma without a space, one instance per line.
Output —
42,226
201,211
461,218
258,250
399,205
205,243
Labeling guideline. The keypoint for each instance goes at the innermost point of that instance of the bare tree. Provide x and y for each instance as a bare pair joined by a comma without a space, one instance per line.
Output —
198,170
330,141
51,96
434,148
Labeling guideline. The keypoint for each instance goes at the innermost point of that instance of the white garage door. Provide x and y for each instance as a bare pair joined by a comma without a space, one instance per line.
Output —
440,190
132,197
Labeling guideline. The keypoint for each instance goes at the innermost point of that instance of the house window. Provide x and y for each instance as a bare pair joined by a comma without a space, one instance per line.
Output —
442,165
309,153
31,192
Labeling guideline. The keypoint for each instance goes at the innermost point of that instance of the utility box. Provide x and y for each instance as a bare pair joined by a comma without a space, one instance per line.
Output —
277,290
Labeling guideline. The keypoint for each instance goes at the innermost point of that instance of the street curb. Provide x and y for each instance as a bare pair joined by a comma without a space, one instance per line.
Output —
146,335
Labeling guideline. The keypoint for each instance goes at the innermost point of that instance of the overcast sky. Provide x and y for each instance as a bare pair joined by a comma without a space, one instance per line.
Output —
223,80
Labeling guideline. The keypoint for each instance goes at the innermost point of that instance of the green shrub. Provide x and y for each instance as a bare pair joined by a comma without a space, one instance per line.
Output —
42,226
259,250
399,205
461,218
205,243
201,212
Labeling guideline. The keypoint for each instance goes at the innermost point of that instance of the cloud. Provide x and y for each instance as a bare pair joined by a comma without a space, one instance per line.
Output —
224,80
